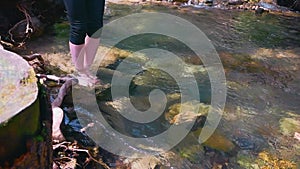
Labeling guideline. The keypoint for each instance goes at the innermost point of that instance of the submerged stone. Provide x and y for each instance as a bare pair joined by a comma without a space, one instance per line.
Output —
245,143
218,142
288,126
175,116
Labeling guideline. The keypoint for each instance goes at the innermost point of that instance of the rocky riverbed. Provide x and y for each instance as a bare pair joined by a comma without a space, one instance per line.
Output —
260,122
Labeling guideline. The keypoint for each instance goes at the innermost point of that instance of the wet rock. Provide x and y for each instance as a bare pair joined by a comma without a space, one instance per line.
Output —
259,10
180,1
268,1
198,3
268,6
146,162
245,143
254,7
175,115
165,160
235,2
208,2
74,131
176,3
19,107
159,166
218,142
294,4
18,85
288,126
189,148
199,123
246,160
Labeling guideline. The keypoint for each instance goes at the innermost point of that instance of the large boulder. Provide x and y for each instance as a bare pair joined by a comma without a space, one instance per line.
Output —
25,140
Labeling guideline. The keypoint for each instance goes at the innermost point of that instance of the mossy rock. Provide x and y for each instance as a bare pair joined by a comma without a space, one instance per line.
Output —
217,141
62,30
288,126
246,160
174,111
15,132
18,85
189,148
19,107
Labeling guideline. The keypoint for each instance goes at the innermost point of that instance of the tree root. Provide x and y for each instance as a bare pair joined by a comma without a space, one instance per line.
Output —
34,56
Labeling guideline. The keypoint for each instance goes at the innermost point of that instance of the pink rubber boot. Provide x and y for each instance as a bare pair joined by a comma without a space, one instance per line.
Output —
78,57
77,54
91,47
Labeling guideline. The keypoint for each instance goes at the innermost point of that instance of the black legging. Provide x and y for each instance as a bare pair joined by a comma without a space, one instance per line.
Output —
85,16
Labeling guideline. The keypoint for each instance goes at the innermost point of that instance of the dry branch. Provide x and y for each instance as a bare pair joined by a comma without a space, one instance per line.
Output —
34,56
27,21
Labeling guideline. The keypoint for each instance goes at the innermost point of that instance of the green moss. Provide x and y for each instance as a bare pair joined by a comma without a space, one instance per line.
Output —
15,132
25,123
246,161
61,30
174,110
119,10
242,62
39,138
217,141
191,152
264,30
189,148
288,126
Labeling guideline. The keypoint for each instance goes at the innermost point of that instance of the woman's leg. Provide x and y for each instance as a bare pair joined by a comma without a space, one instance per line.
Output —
94,24
91,47
77,16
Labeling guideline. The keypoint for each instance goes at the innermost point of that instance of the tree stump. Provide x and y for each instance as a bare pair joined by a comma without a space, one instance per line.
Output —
25,116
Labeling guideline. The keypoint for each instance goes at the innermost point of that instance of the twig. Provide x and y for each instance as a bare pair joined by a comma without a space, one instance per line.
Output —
69,146
55,78
87,151
61,158
28,20
86,127
7,44
28,29
68,165
34,56
55,146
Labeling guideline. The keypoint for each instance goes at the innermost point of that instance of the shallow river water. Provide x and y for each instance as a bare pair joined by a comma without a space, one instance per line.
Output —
260,55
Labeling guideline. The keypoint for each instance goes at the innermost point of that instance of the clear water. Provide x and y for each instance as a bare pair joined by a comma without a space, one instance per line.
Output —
261,58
